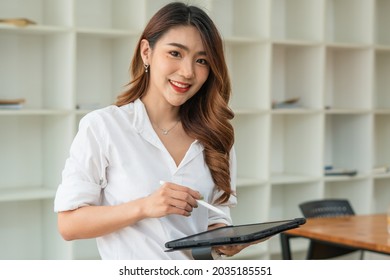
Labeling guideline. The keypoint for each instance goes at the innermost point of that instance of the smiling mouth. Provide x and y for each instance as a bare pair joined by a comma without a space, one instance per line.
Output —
180,85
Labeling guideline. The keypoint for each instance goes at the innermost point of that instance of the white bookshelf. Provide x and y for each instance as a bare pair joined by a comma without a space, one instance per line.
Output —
76,58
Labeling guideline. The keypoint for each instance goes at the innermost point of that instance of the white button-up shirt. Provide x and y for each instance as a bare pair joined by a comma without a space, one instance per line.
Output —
117,157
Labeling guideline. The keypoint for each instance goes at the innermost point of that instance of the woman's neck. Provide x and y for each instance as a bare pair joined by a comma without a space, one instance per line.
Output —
160,112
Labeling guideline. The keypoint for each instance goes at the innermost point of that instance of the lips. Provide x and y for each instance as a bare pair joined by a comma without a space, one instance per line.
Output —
179,87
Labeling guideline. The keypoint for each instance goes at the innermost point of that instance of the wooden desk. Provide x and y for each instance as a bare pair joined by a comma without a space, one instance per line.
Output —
367,232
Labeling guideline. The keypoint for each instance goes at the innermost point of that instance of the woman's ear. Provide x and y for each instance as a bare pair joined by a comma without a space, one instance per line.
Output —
145,51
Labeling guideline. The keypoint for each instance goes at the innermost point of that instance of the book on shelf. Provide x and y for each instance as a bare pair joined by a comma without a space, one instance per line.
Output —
381,169
12,103
287,104
19,22
334,171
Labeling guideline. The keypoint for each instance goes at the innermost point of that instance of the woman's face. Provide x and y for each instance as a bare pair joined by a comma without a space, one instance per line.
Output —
178,65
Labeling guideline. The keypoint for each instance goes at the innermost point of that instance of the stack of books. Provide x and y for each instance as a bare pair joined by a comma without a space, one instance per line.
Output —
12,103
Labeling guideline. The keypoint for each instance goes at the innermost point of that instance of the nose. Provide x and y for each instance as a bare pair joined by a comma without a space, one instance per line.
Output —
187,69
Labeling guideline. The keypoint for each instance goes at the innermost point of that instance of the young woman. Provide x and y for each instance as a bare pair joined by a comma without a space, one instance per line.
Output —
137,168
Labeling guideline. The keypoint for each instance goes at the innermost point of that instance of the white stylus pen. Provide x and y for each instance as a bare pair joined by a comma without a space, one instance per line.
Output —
205,204
211,207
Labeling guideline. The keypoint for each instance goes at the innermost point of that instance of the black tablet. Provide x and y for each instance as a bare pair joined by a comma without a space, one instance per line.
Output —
237,234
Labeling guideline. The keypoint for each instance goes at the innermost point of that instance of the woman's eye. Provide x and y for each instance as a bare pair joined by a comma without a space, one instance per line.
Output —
175,53
202,61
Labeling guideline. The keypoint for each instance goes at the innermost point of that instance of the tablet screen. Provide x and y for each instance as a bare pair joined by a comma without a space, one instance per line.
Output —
235,234
231,232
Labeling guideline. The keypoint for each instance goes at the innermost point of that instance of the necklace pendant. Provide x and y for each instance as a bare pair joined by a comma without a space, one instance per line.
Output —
166,131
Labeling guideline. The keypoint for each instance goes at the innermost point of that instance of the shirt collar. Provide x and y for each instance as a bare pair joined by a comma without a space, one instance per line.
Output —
141,118
144,127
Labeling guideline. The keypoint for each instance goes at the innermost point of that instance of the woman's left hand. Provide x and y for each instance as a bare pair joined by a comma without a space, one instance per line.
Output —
231,250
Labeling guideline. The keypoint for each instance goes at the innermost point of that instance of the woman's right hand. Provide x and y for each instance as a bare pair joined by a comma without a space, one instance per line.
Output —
169,199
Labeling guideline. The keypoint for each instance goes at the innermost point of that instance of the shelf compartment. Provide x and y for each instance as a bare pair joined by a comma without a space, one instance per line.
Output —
285,198
43,12
298,20
356,191
382,140
32,69
249,71
108,14
152,6
253,162
382,11
381,194
297,144
284,204
102,69
35,149
348,142
382,81
22,234
349,78
349,21
251,200
245,18
297,72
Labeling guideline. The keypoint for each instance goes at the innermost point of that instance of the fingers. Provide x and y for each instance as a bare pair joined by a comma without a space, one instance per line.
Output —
231,250
179,197
180,204
176,187
181,192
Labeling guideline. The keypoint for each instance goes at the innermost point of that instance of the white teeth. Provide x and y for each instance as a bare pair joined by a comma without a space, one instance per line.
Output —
179,85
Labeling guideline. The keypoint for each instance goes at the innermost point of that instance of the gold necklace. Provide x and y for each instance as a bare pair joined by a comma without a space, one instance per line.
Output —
166,131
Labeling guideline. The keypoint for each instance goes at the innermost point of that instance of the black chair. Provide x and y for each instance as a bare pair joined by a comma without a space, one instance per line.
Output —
319,209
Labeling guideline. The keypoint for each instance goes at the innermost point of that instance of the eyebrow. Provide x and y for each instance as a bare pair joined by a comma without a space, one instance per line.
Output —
185,48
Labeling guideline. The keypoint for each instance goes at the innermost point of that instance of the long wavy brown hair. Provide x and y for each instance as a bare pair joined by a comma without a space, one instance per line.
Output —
206,116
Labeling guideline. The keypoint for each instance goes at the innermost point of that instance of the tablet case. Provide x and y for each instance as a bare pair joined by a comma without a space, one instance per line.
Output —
230,235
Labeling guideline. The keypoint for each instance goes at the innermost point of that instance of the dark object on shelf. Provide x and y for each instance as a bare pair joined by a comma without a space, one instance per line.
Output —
320,209
287,104
331,171
12,103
